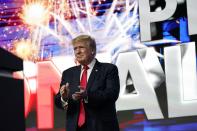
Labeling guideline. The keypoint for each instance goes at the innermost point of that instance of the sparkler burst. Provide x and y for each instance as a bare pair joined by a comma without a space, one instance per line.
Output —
35,14
25,50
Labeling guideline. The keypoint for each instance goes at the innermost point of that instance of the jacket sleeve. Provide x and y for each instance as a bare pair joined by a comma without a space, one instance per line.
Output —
58,101
66,77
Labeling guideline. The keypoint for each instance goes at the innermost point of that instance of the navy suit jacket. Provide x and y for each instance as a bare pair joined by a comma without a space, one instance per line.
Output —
102,92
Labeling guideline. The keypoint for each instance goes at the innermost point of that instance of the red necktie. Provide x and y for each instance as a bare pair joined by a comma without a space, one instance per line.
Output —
83,84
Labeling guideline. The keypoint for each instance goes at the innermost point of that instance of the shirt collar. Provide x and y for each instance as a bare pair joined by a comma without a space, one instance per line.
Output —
91,65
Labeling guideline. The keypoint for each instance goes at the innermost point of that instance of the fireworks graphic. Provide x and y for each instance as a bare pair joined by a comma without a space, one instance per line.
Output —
49,25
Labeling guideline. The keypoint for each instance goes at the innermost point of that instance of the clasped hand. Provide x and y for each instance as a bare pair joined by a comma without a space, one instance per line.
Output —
79,95
64,91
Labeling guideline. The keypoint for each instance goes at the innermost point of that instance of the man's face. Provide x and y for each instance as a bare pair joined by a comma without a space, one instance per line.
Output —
83,53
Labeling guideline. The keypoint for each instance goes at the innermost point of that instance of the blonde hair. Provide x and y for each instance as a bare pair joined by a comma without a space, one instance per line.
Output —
87,40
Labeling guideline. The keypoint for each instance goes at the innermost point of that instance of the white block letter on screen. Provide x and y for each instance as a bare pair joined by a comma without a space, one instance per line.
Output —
180,68
147,17
192,17
145,98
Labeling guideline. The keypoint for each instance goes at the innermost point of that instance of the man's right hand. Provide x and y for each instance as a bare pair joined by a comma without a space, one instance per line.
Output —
64,91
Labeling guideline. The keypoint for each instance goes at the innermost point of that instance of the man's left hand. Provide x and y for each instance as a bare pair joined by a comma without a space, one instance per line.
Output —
79,95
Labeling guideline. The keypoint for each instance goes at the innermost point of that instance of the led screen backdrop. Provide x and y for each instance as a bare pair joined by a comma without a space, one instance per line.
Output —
151,41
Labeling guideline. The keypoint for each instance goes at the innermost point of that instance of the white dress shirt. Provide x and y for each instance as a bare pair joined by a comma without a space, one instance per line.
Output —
91,65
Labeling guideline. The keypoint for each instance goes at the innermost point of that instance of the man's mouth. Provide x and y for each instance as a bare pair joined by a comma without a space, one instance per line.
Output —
79,57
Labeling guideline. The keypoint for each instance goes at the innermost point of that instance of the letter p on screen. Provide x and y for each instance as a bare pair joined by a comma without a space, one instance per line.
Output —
147,17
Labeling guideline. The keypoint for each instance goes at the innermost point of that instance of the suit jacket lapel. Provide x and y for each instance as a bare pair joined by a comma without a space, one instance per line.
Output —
78,72
93,74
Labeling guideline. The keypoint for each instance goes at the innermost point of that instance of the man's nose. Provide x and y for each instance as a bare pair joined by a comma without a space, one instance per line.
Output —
77,51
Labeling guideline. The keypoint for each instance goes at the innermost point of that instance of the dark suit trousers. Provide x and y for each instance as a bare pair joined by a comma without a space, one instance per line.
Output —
83,128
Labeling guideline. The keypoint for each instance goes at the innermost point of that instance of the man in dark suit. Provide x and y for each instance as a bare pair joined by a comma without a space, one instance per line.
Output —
91,108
